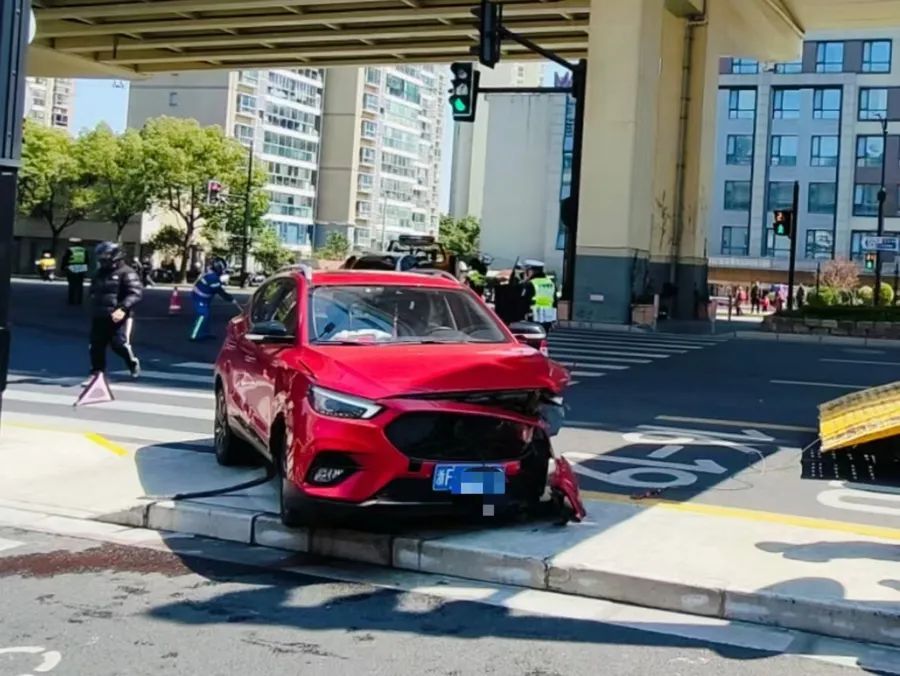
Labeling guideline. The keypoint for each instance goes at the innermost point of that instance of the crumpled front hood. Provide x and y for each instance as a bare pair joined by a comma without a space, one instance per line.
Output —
380,371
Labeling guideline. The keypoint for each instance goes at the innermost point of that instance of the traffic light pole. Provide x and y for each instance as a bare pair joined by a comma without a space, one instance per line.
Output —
882,195
14,29
245,249
795,205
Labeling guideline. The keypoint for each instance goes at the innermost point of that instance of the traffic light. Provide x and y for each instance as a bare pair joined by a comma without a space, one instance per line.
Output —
464,91
490,19
871,259
213,192
784,223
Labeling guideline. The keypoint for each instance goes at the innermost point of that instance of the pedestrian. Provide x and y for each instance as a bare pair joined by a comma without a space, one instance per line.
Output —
115,290
738,301
75,266
754,297
540,293
208,286
801,296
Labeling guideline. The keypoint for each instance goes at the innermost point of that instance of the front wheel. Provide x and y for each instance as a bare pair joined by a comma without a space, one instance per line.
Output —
291,515
230,450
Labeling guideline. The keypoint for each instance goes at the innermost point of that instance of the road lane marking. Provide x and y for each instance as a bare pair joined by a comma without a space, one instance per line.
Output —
703,509
587,355
633,338
861,361
201,366
169,392
144,407
585,374
164,375
602,367
616,353
736,423
836,386
103,442
630,346
9,544
137,433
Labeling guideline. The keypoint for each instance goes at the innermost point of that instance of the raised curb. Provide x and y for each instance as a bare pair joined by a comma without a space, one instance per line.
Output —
816,338
427,554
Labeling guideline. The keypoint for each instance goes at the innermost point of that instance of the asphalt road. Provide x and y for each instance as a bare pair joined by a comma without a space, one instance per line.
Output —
699,418
195,607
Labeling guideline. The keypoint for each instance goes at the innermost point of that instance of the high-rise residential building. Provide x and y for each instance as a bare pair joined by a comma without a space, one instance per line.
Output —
381,154
278,112
816,121
48,101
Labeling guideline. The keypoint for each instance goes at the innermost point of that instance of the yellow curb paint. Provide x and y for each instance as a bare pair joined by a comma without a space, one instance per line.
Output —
106,443
749,515
737,423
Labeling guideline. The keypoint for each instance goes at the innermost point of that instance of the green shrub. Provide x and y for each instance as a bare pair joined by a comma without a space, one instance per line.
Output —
826,297
866,294
887,294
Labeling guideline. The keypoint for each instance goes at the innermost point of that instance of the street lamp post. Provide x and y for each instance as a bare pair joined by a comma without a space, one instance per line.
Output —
882,194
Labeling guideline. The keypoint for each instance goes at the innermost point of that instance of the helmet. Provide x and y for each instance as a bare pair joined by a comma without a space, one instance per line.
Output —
219,265
108,254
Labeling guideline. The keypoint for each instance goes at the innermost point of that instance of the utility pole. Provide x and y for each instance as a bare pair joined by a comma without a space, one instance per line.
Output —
16,31
245,275
882,195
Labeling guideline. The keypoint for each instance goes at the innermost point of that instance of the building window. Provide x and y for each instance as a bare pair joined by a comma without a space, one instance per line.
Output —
824,151
246,103
784,151
827,104
373,76
869,151
739,149
364,182
737,195
819,243
367,155
856,238
829,57
876,56
369,129
243,133
787,104
744,66
735,240
741,104
865,199
789,67
370,102
822,198
781,195
173,99
873,104
776,247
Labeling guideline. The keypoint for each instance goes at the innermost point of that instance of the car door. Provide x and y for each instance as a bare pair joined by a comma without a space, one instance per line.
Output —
260,358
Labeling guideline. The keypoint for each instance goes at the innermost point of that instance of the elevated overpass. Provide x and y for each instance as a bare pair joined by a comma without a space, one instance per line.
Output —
649,138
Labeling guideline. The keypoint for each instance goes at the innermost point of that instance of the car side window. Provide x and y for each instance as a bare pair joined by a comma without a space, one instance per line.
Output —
265,301
286,306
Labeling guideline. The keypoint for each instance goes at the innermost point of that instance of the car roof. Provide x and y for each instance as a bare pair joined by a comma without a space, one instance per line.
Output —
382,278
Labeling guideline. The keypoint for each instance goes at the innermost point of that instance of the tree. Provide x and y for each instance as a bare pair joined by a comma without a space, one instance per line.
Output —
168,241
52,186
460,235
336,247
840,274
225,222
182,157
117,173
269,252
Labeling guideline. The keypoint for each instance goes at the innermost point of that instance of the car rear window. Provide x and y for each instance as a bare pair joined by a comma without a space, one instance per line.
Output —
399,314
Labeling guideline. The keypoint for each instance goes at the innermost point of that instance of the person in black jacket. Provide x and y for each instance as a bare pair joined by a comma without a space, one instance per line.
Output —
115,290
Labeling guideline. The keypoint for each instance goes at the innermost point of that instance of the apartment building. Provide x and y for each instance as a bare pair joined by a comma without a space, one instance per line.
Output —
277,112
49,101
816,121
381,154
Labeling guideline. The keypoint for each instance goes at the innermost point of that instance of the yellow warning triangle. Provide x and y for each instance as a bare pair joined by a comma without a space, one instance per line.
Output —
97,391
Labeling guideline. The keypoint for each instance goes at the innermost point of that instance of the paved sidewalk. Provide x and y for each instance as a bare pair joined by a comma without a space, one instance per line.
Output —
839,582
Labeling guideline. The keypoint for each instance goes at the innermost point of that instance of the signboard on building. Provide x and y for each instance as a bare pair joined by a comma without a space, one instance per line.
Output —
889,243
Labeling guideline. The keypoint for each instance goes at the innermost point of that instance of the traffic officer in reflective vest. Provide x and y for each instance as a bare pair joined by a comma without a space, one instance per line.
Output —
207,286
75,265
541,291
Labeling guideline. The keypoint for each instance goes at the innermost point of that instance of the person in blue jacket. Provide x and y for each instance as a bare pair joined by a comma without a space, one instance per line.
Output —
207,286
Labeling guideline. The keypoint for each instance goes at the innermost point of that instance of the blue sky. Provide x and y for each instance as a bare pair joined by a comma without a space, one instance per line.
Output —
100,101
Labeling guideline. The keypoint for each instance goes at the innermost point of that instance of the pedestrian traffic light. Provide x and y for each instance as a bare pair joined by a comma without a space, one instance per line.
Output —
213,192
464,91
784,223
871,260
490,19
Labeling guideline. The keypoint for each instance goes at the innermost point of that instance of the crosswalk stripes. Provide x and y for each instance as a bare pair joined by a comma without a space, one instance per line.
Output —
9,544
594,354
170,405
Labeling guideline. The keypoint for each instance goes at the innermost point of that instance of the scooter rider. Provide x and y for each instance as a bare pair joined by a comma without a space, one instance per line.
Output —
207,286
115,290
541,292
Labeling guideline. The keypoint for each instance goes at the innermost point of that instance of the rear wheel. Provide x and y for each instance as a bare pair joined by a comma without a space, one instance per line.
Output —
230,449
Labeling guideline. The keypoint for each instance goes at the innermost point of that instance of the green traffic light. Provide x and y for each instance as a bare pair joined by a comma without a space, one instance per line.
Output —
779,231
459,105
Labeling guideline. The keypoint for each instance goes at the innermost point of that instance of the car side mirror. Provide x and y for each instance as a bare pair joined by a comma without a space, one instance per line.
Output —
529,333
269,332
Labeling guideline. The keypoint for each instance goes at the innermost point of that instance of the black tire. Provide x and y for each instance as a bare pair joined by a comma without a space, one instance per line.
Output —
291,515
230,449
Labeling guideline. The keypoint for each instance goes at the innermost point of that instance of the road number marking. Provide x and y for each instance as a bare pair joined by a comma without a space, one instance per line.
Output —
51,658
846,498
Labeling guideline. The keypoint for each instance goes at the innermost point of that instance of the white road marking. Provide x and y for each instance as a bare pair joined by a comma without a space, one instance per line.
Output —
51,658
638,338
586,365
616,353
667,347
586,374
735,423
748,435
861,361
168,392
143,407
180,377
838,386
702,465
589,355
139,433
9,544
201,366
665,452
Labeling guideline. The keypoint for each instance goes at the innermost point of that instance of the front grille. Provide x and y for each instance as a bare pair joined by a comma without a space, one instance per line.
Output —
453,436
525,402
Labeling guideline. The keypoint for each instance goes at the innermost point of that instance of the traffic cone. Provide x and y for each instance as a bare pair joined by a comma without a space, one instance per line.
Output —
174,302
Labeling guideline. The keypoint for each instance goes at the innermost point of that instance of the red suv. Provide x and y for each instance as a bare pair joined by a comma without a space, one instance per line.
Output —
370,389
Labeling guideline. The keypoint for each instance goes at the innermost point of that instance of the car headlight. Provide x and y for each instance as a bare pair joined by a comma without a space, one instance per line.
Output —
340,405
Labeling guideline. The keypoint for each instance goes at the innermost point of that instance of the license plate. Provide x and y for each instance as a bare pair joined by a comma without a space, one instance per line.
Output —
469,479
